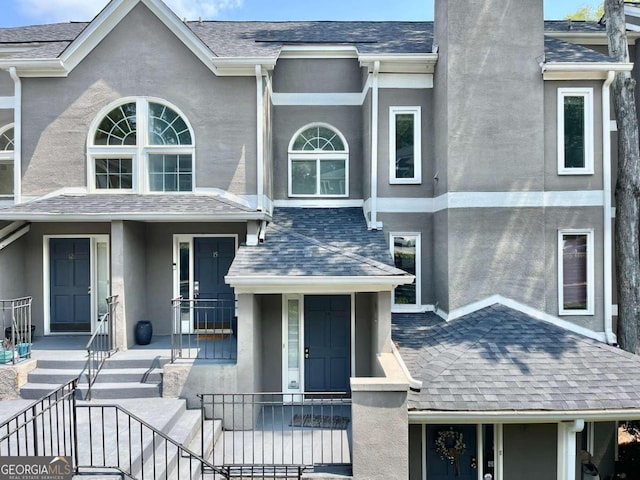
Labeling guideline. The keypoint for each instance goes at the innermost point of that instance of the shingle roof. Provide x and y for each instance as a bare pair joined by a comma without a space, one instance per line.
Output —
574,26
265,39
498,359
316,242
124,205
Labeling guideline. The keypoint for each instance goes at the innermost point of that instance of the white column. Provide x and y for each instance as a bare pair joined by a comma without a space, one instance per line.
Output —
567,448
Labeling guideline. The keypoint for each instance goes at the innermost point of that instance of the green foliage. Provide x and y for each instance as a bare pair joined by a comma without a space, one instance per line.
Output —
587,12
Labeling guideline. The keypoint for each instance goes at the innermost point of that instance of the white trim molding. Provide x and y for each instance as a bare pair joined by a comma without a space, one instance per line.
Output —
588,130
588,233
263,284
405,80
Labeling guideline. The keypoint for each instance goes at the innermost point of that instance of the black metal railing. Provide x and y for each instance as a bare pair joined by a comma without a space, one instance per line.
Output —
17,330
45,428
279,430
114,439
101,345
204,328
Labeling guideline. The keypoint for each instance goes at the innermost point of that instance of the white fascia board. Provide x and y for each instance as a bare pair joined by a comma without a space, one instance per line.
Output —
315,284
407,80
46,67
400,63
317,99
318,51
582,71
242,66
522,416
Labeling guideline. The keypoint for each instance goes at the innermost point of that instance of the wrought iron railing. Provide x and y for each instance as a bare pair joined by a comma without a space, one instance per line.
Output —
101,345
279,431
204,328
45,428
17,331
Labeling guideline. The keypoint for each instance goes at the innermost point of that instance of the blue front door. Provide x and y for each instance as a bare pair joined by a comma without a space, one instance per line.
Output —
212,258
327,336
70,284
464,466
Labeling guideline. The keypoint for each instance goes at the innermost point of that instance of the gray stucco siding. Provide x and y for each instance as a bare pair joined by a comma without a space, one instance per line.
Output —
57,112
7,87
366,147
288,120
391,97
6,117
552,180
530,451
440,252
317,76
13,271
271,361
416,223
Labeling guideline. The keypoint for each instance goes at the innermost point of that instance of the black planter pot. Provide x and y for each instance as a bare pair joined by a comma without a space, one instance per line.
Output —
143,333
8,332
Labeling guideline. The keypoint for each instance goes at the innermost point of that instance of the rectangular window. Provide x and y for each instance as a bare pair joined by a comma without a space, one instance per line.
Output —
318,177
575,131
575,272
114,173
405,160
405,249
170,173
6,178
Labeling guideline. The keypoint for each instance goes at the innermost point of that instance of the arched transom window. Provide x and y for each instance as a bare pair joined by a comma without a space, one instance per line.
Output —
318,163
141,145
6,160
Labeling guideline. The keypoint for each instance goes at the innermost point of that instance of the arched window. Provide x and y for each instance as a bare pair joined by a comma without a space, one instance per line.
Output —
318,162
141,145
6,160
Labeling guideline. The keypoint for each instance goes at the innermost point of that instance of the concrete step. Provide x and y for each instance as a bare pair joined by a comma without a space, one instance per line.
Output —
106,375
76,365
35,391
106,390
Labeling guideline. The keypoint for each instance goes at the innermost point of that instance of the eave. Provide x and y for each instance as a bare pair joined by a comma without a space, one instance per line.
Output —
265,284
400,63
242,66
582,71
40,67
589,38
134,216
521,416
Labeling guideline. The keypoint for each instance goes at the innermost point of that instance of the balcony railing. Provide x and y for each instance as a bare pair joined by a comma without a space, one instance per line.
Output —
279,432
101,345
204,329
16,330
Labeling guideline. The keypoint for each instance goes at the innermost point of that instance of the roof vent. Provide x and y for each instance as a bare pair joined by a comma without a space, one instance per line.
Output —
200,20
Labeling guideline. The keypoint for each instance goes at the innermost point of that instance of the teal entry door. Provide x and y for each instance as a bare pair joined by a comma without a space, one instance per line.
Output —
70,285
464,467
327,342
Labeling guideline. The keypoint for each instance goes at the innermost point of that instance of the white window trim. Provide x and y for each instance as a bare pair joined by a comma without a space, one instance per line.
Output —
587,94
318,156
7,157
403,307
139,152
590,271
417,145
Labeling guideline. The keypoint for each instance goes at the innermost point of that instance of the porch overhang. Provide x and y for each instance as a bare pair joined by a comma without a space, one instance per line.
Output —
522,416
315,284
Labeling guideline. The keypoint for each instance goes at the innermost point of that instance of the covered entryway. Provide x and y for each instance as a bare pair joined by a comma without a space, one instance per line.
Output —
327,340
457,444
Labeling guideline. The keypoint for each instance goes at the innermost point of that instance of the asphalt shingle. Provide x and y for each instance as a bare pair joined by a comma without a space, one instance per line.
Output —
498,359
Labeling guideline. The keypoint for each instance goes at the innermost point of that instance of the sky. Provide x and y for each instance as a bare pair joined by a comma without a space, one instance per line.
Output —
31,12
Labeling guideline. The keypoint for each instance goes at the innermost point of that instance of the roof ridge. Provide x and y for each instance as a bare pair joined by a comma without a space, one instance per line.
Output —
354,256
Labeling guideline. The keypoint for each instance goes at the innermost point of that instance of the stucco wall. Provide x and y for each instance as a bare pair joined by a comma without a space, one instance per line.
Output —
392,97
57,112
317,76
530,452
440,251
134,269
288,120
271,361
364,322
12,271
415,452
7,87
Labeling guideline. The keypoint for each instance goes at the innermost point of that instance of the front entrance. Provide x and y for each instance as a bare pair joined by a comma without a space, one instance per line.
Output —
78,283
327,343
443,440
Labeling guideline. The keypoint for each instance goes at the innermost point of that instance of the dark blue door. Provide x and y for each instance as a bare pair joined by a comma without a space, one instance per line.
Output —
327,341
464,467
215,309
70,277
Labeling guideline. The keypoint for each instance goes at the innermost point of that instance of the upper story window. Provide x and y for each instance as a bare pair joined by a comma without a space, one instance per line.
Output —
141,145
575,131
405,159
575,272
6,160
318,163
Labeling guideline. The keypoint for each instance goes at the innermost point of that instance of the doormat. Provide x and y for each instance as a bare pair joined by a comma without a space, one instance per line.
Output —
333,422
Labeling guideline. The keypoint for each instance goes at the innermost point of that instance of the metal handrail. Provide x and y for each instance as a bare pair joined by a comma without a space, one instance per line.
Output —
101,344
132,455
19,325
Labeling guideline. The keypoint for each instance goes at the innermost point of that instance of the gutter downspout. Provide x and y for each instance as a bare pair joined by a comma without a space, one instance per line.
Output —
17,136
606,179
373,224
260,138
567,448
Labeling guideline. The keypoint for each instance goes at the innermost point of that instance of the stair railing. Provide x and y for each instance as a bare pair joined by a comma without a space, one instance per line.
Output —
101,345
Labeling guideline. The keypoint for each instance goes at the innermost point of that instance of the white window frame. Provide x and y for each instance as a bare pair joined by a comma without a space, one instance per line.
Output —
140,152
7,157
590,271
587,94
318,156
416,112
405,307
